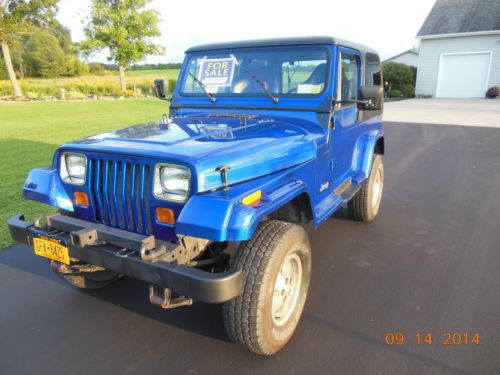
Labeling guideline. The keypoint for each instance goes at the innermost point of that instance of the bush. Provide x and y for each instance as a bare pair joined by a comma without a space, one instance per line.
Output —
171,85
97,68
408,90
74,67
3,70
399,75
395,94
74,95
493,92
127,93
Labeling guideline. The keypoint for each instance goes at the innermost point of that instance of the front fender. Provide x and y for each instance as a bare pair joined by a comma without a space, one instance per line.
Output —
44,185
363,155
221,216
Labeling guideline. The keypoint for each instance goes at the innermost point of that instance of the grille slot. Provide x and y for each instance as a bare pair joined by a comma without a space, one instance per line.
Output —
120,193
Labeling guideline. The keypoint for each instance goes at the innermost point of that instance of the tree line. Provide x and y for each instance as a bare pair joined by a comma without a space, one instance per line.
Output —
33,43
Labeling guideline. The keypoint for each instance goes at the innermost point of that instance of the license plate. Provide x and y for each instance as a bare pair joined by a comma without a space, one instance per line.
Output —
51,249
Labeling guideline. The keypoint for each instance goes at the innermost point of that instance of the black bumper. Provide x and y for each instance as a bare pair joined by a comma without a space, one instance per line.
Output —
187,281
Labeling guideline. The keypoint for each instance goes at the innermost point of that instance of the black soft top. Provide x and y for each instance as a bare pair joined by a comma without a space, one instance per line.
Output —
309,40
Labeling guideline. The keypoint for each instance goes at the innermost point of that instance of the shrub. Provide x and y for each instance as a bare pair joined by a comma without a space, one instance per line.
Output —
171,84
74,67
493,92
395,94
408,90
3,70
74,95
97,68
399,75
127,93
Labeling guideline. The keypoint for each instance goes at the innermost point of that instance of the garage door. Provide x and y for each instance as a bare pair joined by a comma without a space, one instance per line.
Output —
463,75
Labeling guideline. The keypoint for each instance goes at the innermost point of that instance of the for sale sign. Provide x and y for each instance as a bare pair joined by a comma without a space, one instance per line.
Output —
217,72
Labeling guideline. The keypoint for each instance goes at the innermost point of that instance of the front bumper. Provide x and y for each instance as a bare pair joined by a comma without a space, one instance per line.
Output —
121,253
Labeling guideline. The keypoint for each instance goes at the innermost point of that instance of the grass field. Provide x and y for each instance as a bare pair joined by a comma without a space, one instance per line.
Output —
30,133
78,87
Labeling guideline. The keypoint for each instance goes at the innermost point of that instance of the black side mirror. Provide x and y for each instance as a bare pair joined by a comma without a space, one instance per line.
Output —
159,88
371,98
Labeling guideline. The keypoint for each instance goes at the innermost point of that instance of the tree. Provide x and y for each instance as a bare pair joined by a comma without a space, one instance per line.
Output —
125,28
18,17
63,35
44,56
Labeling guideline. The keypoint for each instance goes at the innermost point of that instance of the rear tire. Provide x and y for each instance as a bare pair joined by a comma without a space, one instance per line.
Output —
365,204
85,280
276,264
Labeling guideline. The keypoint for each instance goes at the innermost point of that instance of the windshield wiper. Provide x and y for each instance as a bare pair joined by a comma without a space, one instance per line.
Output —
203,87
264,86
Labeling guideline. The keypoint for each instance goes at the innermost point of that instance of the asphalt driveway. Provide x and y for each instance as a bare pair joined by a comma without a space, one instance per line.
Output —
429,264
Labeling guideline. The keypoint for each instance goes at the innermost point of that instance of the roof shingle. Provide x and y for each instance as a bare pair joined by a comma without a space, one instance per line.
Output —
461,16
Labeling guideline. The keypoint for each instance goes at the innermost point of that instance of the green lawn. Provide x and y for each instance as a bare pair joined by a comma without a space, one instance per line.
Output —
165,74
30,133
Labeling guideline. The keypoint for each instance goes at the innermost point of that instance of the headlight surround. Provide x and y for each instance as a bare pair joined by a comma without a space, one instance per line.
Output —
172,182
73,168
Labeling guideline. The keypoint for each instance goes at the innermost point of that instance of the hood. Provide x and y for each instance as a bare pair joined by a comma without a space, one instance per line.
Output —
251,146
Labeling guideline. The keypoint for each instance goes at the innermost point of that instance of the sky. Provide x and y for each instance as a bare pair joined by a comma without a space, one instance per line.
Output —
389,26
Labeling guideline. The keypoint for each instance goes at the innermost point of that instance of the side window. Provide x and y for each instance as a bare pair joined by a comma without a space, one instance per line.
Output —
373,70
349,76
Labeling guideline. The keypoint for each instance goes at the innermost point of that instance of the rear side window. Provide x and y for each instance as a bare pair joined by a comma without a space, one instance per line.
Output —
373,70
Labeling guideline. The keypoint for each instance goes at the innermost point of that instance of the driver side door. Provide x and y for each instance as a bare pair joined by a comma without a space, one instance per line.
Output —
346,116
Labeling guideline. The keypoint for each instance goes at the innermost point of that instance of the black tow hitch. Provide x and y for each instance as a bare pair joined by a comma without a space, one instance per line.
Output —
162,297
169,268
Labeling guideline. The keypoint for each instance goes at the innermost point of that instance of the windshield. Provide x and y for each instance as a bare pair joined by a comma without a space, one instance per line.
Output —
272,71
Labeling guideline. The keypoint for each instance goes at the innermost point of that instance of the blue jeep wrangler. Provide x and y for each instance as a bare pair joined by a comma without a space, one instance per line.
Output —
207,203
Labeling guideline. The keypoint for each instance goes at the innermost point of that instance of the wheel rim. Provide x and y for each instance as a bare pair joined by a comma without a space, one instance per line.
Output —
377,184
286,289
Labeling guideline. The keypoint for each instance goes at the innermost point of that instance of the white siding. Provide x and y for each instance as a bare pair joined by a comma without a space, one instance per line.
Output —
431,50
408,58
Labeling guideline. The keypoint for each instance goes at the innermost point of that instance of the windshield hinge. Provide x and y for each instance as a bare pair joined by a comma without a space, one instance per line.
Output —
332,121
223,170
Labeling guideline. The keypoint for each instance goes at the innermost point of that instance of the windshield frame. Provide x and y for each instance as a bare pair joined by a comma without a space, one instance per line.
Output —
235,96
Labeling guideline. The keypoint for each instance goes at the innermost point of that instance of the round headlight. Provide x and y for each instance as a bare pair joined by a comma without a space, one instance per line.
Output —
73,168
171,182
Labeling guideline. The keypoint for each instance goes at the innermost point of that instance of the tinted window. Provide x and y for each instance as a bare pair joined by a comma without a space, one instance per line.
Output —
373,71
349,76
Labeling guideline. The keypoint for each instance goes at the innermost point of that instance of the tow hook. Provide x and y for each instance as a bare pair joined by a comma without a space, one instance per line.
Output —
162,297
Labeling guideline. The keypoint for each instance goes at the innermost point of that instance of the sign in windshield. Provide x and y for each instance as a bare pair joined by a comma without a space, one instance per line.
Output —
217,72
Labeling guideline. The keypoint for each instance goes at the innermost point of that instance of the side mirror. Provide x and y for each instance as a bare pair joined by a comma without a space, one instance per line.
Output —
372,98
159,88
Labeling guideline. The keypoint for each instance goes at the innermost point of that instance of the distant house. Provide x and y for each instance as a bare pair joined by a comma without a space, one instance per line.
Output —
409,57
459,49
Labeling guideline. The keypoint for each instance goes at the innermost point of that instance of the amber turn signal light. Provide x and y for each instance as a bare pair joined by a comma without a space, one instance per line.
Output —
252,199
165,215
81,199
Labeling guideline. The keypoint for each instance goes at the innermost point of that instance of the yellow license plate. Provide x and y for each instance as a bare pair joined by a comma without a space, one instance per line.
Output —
50,249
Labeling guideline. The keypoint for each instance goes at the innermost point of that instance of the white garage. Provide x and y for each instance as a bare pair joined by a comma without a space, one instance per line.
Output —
463,75
459,53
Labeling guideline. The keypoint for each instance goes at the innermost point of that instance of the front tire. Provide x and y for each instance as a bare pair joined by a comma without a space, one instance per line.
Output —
365,204
276,264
